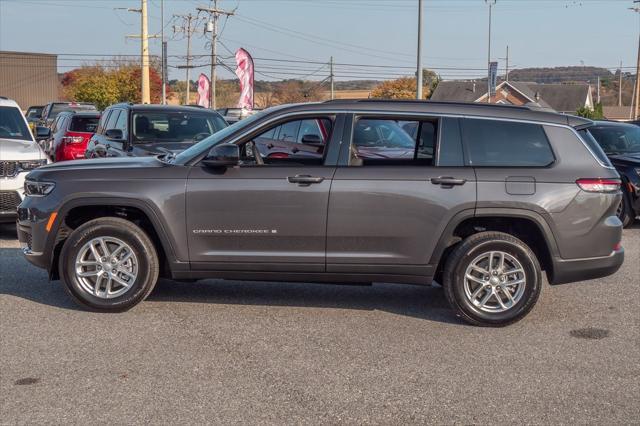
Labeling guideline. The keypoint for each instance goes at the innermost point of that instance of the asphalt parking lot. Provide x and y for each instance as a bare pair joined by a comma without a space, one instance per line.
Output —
230,352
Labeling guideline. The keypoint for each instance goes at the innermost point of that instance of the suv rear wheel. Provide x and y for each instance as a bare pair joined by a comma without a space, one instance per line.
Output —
492,279
625,212
109,264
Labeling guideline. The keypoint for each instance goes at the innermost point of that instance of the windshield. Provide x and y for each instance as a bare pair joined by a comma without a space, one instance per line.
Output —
34,112
166,126
208,143
58,108
617,140
12,125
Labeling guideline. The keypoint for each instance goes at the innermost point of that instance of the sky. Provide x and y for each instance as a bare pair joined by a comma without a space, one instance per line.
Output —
368,39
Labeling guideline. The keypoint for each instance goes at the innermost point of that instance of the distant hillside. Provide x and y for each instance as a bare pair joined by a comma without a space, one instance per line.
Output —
560,74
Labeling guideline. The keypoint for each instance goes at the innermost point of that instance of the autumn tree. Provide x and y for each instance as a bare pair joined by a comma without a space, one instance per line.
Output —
294,91
107,83
405,87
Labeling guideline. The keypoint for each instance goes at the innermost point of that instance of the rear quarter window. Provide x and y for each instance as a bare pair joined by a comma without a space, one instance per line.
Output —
594,146
496,143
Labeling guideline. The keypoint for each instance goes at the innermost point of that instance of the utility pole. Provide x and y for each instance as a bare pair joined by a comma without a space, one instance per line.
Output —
144,47
490,3
212,26
419,56
636,97
146,94
598,91
620,86
164,55
187,28
507,66
331,77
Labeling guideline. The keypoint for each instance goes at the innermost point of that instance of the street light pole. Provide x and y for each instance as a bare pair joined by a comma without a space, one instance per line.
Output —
490,3
419,58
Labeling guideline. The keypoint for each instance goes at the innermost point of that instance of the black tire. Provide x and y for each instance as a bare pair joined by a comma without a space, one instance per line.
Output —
462,256
134,237
625,211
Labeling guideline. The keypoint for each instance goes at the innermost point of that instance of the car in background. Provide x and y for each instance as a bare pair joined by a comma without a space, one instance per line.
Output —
621,143
233,115
19,154
52,109
139,130
70,134
33,115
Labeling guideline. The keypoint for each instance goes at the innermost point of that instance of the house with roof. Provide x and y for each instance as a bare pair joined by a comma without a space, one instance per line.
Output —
564,98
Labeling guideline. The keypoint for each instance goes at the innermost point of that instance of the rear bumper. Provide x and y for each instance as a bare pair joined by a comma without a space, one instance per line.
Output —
572,270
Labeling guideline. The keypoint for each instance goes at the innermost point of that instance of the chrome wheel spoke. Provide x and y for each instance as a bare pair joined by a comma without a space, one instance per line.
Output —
87,273
479,269
476,293
475,279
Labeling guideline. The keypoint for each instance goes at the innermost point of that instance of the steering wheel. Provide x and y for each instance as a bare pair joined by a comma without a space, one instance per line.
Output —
5,132
201,136
256,154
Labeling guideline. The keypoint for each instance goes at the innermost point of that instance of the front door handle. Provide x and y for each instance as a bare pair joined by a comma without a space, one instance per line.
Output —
304,180
447,181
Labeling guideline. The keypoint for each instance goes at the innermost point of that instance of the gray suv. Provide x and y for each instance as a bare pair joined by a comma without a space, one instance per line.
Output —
480,198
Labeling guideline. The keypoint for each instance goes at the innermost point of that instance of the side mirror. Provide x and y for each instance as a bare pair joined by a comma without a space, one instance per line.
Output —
223,155
42,132
115,134
312,139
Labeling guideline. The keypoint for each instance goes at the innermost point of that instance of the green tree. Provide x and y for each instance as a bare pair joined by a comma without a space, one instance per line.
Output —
592,114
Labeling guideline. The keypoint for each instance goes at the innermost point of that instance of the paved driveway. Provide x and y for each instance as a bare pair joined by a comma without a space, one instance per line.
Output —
229,352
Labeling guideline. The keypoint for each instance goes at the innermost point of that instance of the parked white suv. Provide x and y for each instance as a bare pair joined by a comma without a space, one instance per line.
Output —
19,154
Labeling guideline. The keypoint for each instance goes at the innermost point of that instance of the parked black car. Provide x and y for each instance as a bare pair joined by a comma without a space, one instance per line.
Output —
52,109
139,130
621,143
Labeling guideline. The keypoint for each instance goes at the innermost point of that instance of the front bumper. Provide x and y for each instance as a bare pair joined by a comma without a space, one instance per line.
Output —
37,243
572,270
11,195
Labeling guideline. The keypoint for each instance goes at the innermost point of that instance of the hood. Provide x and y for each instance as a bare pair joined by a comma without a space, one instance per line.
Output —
20,150
103,163
155,148
632,158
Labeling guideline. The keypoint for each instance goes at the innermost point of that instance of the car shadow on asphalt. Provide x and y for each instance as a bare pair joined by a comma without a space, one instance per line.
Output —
423,302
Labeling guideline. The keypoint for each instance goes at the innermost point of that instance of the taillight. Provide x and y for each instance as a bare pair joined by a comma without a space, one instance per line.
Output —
72,139
599,185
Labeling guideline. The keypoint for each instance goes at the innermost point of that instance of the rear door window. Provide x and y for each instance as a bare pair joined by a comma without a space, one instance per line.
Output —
496,143
84,124
380,141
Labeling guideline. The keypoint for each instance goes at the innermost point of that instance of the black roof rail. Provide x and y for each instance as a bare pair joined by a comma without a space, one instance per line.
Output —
427,101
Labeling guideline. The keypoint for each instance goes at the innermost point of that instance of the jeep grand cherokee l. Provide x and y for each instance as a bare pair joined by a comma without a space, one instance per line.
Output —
490,197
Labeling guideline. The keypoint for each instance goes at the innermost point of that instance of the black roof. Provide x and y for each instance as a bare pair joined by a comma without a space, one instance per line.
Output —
82,113
451,108
158,107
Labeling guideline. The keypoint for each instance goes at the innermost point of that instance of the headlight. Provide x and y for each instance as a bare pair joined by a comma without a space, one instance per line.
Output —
38,189
30,165
638,172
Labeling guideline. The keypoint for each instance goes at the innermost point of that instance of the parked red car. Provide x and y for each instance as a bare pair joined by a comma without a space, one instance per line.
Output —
70,134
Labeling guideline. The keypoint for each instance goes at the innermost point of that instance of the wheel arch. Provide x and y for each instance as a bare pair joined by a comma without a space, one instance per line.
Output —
527,225
78,211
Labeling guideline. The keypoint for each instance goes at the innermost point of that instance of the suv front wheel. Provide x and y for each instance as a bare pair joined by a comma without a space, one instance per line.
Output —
492,279
109,264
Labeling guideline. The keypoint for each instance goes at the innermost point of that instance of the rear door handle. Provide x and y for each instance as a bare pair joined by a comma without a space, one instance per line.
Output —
447,181
304,180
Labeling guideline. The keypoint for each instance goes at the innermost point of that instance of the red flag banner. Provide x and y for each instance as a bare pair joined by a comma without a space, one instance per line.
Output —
244,71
